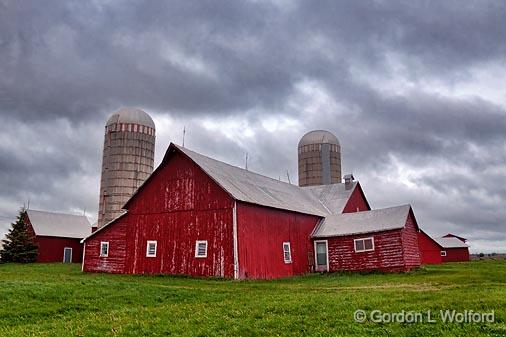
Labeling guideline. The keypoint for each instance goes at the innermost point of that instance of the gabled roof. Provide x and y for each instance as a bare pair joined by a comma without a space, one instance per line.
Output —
59,225
363,222
247,186
450,235
450,242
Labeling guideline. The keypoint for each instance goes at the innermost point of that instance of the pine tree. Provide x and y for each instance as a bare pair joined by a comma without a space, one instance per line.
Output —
19,244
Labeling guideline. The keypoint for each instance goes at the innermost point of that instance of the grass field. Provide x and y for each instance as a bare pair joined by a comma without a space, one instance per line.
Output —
59,300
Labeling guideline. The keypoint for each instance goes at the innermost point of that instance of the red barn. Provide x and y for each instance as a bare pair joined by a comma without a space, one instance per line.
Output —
453,249
58,235
449,248
382,239
198,216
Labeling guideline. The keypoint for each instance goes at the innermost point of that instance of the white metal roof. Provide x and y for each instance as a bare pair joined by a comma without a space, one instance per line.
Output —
59,225
363,222
131,115
244,185
450,243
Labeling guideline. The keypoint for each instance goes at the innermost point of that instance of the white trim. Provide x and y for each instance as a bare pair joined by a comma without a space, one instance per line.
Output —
363,239
104,243
64,248
149,242
316,254
443,253
287,243
236,249
197,243
84,254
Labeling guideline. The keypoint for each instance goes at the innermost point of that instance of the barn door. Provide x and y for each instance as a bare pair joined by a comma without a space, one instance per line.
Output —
67,255
322,261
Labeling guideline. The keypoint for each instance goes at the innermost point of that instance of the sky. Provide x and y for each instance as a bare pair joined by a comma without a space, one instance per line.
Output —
414,90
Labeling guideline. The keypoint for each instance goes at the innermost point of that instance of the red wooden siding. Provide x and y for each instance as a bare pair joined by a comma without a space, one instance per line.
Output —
430,251
395,250
456,255
410,243
261,233
357,201
180,205
51,249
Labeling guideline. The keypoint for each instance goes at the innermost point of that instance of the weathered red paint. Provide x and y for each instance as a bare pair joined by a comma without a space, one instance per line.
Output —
179,206
357,201
261,233
395,250
430,250
456,255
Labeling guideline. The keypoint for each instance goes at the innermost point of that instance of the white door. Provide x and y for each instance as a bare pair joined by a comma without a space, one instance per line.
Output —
67,255
321,257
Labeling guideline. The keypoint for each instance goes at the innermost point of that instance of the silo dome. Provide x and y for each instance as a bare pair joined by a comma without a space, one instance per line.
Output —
131,116
319,159
318,137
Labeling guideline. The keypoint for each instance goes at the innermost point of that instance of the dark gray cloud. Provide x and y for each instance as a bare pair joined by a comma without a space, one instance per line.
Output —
410,89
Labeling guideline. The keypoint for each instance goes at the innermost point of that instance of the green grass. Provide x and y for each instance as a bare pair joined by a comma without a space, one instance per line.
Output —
59,300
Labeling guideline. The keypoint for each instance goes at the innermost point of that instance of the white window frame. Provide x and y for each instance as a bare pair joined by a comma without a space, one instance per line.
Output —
65,248
197,243
287,244
443,253
316,253
102,243
363,239
149,242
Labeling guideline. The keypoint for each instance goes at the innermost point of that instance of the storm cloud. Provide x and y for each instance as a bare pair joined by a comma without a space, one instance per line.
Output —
413,90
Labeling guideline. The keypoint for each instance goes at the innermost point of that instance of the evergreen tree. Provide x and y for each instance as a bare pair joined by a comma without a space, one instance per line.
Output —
19,243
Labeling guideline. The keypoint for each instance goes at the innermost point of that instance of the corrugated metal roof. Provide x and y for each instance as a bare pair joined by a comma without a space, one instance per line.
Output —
450,242
59,225
363,222
334,197
247,186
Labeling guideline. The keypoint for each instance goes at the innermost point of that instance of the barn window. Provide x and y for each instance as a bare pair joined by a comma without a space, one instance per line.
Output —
443,253
201,248
151,249
364,245
287,253
104,249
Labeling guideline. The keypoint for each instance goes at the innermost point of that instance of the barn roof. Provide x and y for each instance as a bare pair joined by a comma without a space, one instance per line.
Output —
450,242
59,225
247,186
363,222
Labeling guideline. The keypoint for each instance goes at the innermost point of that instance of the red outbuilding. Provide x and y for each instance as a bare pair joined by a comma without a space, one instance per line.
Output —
449,248
58,235
198,216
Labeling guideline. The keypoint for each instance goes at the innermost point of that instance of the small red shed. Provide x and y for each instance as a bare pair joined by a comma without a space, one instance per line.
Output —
453,249
382,239
58,235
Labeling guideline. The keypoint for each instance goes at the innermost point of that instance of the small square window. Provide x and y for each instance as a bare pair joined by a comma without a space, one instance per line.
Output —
364,245
287,253
201,248
151,249
104,249
443,253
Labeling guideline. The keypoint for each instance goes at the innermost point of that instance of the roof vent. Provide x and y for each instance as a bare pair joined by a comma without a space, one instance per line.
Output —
348,181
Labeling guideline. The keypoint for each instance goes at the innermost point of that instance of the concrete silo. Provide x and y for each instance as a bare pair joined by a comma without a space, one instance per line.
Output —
128,159
319,159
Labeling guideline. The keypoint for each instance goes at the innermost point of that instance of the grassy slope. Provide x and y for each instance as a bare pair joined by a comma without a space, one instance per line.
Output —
59,300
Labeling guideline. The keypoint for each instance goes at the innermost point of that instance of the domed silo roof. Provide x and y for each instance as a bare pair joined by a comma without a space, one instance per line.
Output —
318,137
131,116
